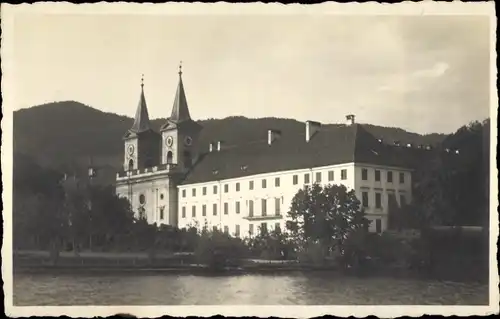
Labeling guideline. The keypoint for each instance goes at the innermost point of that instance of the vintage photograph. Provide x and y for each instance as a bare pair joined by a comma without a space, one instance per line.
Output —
232,155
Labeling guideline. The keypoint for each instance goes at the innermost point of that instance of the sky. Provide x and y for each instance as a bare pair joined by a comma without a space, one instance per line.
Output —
421,73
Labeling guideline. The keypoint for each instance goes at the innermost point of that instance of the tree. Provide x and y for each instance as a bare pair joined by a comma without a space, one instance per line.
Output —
325,216
218,250
404,216
111,215
452,188
270,245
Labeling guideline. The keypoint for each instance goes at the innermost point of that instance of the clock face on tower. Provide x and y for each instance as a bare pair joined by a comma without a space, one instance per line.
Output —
188,141
130,149
169,141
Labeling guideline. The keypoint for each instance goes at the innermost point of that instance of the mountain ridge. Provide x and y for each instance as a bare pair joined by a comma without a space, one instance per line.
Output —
69,133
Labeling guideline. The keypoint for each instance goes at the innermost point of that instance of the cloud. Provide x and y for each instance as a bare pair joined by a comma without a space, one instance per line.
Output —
388,70
416,81
438,70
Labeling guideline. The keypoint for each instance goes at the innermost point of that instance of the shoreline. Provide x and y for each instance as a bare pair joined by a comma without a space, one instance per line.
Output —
184,264
200,270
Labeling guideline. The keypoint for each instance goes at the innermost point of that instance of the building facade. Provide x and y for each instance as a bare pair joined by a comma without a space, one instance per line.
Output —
243,188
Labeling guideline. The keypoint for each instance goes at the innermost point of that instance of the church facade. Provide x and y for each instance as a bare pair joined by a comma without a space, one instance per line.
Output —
240,189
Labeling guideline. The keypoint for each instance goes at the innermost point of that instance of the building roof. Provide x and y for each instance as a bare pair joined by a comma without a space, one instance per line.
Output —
141,121
180,111
330,146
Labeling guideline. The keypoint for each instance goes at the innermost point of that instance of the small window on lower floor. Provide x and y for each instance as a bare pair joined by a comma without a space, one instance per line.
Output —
402,200
365,199
330,176
306,178
226,229
263,228
378,200
237,231
277,227
343,174
318,177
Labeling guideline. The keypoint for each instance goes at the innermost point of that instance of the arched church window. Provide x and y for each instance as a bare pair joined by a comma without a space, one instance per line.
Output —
169,157
142,199
142,213
130,164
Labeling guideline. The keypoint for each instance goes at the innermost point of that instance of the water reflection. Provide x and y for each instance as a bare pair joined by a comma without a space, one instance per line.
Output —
297,288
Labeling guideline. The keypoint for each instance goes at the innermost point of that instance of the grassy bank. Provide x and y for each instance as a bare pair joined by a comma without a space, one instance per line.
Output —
37,261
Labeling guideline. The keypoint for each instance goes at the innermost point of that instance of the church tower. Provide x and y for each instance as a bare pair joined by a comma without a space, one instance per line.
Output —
142,143
180,133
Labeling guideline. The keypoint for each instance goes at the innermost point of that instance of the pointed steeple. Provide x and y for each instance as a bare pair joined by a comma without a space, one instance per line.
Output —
180,111
141,122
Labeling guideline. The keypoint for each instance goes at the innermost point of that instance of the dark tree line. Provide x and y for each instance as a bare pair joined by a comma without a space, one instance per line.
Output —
452,186
52,211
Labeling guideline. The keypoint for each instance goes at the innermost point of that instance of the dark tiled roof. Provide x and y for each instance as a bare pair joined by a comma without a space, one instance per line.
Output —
180,111
141,121
337,145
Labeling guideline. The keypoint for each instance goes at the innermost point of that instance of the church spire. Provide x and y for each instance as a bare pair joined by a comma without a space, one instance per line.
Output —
180,111
141,122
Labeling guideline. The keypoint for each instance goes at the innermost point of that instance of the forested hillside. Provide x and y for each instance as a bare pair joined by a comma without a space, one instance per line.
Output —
68,133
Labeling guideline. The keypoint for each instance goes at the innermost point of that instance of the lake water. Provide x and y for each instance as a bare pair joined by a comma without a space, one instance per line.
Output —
287,289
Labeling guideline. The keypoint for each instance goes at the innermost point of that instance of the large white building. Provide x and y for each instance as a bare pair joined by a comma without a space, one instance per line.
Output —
169,179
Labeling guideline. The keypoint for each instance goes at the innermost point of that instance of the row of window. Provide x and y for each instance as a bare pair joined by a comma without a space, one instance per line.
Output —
378,200
250,203
364,176
262,229
277,182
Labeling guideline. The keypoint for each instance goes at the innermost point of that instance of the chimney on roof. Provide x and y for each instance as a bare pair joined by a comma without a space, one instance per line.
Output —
350,119
219,145
272,135
311,128
211,147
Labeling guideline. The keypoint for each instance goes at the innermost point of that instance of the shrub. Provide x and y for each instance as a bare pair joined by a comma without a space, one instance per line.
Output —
312,254
218,250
